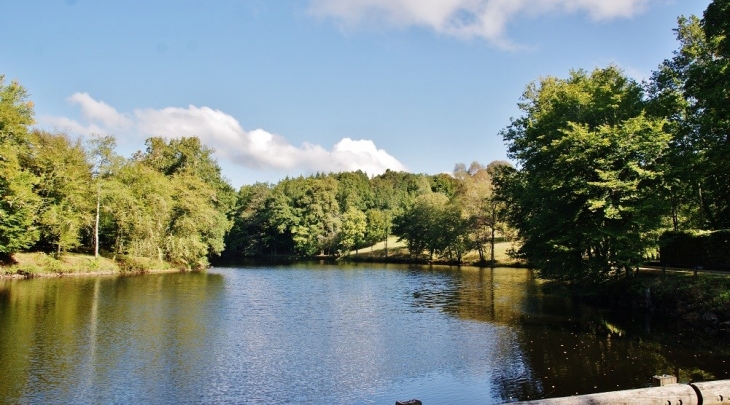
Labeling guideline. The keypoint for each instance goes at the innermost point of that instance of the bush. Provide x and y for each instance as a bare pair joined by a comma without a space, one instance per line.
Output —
690,249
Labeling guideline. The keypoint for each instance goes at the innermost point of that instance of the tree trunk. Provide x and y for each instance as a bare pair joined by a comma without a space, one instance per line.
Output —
491,243
96,223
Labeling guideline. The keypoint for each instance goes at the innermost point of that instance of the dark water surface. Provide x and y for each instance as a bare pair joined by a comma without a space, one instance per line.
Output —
325,334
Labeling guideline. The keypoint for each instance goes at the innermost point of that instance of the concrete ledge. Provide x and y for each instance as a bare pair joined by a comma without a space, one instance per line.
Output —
704,393
713,392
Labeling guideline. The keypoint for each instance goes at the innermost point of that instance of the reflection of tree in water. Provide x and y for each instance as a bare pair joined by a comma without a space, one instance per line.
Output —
565,347
48,328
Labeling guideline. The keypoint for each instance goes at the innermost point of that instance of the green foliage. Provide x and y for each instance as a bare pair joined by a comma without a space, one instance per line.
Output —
64,178
196,228
353,228
587,195
104,164
689,249
251,234
379,223
691,91
481,208
317,225
304,216
354,190
189,156
433,224
444,184
18,203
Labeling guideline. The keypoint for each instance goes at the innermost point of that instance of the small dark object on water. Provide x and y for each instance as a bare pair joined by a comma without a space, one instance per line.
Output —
409,402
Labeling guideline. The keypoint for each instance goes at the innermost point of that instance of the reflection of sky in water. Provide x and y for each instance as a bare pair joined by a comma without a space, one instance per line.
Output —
352,336
318,334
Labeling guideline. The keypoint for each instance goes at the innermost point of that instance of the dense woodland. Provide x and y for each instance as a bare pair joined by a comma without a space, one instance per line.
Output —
332,214
604,165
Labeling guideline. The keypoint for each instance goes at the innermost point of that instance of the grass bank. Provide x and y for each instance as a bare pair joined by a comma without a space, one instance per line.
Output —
397,252
38,264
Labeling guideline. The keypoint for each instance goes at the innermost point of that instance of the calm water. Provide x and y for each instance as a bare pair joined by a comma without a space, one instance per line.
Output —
325,334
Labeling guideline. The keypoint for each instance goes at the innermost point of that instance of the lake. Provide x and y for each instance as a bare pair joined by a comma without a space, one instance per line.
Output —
316,333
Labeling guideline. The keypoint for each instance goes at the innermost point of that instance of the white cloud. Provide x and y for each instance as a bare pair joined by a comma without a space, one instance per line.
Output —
68,125
99,111
485,19
257,149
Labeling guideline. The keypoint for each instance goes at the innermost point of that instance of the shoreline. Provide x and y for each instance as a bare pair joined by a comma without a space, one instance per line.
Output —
26,276
29,265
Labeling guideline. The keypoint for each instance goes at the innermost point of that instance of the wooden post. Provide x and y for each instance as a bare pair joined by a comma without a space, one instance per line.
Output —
662,380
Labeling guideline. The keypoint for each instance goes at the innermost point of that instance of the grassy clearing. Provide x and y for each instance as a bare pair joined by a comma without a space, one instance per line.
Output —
39,264
397,251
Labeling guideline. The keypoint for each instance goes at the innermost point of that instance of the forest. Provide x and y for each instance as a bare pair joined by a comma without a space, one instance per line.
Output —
171,203
602,167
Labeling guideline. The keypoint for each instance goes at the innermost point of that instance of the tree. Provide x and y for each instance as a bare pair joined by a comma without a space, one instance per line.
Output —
586,199
482,209
104,164
352,229
449,230
189,155
691,91
444,183
305,211
64,174
379,223
140,209
353,190
196,216
421,227
196,228
251,234
18,202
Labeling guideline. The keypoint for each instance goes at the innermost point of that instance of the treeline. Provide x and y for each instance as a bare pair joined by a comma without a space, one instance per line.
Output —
605,165
57,194
333,214
171,203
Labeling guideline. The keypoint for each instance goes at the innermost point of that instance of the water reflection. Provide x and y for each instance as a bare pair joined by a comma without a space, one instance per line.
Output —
312,333
570,348
68,341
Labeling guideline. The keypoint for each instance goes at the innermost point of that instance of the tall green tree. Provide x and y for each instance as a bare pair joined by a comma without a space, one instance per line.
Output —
318,217
690,89
354,190
379,223
352,229
586,199
251,233
481,207
140,209
64,175
203,201
421,226
196,228
18,203
188,155
105,163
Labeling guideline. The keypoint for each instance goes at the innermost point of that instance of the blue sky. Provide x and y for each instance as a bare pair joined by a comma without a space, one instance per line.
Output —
283,88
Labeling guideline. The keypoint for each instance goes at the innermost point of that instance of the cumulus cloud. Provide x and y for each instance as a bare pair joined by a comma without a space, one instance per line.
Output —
256,149
485,19
99,111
